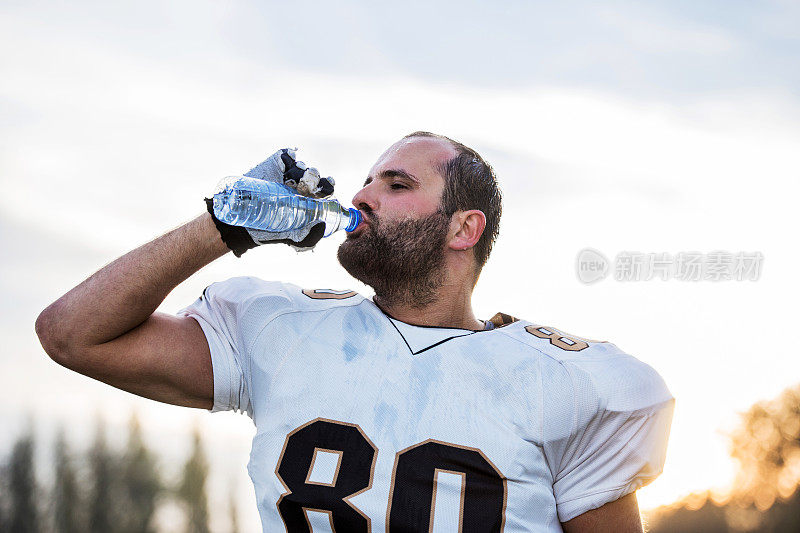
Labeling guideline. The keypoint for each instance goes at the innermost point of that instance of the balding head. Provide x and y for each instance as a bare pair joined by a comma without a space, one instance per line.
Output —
469,183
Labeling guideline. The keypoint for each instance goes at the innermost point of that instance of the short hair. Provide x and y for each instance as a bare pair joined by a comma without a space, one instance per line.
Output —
470,183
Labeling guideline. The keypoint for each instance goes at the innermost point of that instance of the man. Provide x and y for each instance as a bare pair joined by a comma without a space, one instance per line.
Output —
365,408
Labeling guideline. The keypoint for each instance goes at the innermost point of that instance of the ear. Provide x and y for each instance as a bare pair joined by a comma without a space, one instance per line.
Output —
466,228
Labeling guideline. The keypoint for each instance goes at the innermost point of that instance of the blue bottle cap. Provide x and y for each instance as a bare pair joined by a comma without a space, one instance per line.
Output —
355,219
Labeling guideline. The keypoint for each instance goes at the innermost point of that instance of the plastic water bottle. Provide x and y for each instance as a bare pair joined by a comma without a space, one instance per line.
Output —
270,206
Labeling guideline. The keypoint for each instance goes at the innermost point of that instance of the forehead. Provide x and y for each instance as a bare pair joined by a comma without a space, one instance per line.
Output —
418,156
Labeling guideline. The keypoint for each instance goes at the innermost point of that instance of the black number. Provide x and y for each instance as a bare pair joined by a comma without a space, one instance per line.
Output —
353,475
483,494
413,489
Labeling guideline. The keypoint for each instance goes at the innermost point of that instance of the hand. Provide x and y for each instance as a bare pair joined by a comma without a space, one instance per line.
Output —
281,167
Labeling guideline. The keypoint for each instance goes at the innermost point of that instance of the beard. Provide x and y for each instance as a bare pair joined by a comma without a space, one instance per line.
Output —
402,261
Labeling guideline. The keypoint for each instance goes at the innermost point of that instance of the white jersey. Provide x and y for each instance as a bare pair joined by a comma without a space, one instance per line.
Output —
366,423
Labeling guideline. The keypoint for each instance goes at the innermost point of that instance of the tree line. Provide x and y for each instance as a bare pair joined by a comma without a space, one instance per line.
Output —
102,490
764,497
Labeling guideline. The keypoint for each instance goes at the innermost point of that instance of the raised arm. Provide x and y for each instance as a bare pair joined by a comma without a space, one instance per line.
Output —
107,328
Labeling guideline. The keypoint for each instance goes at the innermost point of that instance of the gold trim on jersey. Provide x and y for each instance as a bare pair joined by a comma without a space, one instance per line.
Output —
559,339
436,470
463,476
345,500
327,512
340,453
328,294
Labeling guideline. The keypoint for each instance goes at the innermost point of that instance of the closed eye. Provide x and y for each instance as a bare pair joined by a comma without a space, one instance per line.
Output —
398,186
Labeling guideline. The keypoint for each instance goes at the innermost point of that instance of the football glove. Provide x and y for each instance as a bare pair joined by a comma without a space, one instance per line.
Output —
281,167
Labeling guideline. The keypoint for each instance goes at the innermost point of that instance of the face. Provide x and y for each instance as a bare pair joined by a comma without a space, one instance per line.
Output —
404,182
398,249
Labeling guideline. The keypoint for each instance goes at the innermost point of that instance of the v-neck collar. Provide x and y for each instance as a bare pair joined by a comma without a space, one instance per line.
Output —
421,338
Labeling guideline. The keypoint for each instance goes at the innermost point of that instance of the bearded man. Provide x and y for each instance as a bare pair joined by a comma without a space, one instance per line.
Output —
402,412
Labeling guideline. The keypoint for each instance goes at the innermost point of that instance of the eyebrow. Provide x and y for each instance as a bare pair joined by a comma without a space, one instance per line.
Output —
393,173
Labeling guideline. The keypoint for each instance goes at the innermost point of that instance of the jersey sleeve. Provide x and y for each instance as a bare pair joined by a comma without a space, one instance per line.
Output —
225,313
619,413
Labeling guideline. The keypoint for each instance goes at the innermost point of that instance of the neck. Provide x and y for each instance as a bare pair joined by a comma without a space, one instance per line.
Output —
451,307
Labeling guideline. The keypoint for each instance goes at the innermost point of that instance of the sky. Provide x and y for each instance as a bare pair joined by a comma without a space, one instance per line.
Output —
661,127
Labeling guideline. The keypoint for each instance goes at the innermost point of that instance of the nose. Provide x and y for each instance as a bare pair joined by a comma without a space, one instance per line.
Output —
366,199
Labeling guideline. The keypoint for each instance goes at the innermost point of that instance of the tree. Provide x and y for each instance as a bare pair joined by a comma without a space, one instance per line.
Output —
66,496
764,496
192,488
24,515
691,517
767,447
103,500
4,503
139,482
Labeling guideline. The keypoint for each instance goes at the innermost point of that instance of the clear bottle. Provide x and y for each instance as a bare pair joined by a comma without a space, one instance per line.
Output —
270,206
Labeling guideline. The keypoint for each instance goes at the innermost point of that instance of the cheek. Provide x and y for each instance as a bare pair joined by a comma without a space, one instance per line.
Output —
411,207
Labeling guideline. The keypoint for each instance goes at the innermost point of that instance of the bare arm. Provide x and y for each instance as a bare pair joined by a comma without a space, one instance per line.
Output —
620,516
107,327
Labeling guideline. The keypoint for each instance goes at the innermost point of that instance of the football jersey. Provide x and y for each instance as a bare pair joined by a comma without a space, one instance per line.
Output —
367,423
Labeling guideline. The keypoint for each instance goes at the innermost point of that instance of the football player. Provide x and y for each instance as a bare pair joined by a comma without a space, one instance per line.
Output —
401,412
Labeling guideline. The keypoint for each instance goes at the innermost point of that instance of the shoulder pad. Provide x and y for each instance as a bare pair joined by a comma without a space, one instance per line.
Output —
245,293
620,381
553,342
289,295
265,299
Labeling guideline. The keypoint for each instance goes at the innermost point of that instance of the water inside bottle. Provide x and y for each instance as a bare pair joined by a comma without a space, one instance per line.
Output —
269,206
